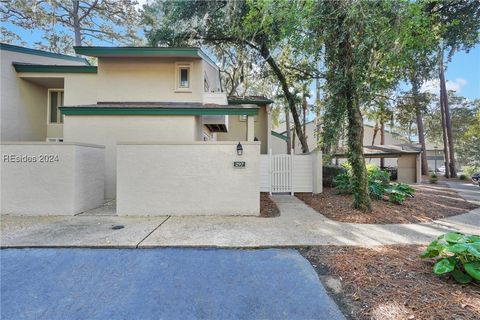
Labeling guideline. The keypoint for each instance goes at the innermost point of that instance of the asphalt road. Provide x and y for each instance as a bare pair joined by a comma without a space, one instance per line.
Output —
161,284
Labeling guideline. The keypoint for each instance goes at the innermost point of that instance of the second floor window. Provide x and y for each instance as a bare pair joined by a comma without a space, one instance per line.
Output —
184,75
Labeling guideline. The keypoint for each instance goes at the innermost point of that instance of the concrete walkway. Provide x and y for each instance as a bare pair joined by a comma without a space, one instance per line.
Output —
298,225
466,190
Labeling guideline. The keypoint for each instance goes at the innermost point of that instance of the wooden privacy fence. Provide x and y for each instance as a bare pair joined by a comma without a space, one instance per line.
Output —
285,173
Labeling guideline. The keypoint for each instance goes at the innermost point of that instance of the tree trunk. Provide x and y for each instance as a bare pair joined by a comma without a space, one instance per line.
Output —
304,110
420,131
288,95
448,122
289,132
375,130
382,141
444,134
76,23
356,158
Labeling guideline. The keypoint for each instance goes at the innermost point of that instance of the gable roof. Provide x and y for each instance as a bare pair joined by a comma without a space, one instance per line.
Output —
36,52
136,52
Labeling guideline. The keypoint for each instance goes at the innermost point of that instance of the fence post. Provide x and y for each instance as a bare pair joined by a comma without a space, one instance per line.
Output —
292,154
317,172
270,171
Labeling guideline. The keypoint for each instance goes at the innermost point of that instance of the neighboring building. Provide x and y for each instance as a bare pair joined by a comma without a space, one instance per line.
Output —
134,94
279,138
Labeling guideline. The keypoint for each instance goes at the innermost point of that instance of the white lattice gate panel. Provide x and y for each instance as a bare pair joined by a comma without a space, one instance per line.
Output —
281,173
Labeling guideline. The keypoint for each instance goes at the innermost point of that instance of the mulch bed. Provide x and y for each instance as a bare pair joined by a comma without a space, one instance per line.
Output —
268,208
392,282
430,202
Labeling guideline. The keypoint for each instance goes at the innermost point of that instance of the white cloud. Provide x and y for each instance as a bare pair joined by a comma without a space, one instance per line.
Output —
433,85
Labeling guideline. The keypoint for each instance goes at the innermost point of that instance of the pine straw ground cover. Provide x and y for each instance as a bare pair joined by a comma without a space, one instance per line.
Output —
268,208
430,202
391,282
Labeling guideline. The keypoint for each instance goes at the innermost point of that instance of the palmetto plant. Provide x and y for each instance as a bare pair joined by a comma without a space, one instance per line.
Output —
457,254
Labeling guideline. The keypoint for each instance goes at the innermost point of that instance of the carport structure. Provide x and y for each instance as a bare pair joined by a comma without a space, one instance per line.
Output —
407,155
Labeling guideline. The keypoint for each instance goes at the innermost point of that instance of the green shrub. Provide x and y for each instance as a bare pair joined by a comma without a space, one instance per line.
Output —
398,192
456,254
378,184
343,183
329,174
433,178
462,177
470,170
378,180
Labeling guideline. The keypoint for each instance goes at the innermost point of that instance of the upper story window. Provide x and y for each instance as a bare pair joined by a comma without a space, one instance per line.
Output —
182,76
55,100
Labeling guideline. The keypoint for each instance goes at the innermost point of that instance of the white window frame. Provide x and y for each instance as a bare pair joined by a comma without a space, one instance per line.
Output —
59,114
243,118
179,66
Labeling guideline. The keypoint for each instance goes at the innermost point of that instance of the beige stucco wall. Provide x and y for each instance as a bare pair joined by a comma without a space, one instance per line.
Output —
407,168
71,185
237,129
188,179
108,130
146,79
23,104
212,75
80,88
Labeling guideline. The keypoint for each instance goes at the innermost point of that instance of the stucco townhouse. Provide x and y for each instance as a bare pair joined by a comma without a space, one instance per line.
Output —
145,112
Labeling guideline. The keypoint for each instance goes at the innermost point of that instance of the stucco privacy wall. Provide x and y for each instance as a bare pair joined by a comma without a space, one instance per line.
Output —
146,79
69,180
24,104
108,130
197,178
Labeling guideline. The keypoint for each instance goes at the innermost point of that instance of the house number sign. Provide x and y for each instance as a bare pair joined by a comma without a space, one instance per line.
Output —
239,164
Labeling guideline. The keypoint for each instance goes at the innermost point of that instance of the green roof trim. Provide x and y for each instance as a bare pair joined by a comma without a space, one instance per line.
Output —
13,48
279,135
258,102
22,67
144,52
158,111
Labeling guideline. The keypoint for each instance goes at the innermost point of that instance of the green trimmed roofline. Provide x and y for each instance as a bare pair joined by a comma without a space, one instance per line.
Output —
258,102
279,135
158,111
24,67
13,48
187,52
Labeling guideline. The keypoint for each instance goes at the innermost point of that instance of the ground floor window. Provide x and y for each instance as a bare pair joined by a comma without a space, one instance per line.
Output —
55,100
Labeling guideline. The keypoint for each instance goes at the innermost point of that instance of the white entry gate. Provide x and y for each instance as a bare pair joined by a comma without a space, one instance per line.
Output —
281,173
285,173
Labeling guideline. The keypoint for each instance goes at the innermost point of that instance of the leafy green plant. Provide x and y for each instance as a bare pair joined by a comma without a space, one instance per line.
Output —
462,177
398,192
433,178
470,170
378,184
457,254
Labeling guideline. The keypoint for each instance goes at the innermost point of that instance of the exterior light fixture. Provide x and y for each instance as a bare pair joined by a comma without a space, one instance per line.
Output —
239,149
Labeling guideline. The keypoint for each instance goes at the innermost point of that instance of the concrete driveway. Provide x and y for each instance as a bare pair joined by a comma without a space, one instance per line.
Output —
161,284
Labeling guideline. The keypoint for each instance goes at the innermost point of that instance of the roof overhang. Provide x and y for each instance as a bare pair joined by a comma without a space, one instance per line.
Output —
42,68
150,109
137,52
259,101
